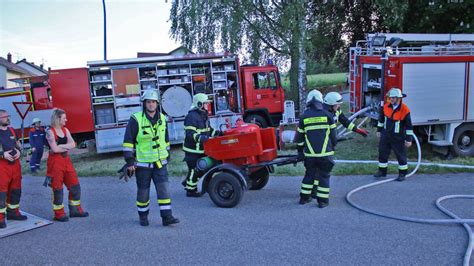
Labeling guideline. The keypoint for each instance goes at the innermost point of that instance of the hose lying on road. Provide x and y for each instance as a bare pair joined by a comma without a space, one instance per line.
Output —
455,219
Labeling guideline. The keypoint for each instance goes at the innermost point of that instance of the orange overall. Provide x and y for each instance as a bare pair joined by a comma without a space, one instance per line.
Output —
10,177
62,172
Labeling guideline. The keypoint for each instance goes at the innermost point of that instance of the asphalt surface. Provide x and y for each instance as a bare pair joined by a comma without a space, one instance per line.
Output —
268,227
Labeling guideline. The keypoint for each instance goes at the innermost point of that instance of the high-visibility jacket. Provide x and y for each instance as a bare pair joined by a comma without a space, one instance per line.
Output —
316,132
197,131
395,123
148,137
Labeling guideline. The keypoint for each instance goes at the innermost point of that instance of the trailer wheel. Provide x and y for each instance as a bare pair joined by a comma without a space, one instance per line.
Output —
463,141
225,190
257,120
259,179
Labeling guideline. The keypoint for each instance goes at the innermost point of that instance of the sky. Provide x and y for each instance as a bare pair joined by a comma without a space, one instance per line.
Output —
68,33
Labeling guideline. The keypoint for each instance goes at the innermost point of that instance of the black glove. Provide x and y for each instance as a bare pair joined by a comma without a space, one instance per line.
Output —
203,138
125,174
300,156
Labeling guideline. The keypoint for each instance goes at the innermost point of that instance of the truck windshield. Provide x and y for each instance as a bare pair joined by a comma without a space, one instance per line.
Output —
264,80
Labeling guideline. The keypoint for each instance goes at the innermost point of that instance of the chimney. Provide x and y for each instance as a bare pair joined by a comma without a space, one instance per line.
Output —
42,66
49,69
9,57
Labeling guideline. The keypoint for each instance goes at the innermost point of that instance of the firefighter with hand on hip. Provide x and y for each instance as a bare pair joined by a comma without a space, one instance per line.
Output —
146,151
316,140
10,172
395,131
332,104
197,131
37,141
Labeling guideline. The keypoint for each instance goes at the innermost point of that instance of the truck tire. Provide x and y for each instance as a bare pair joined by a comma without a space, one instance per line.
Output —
256,119
463,141
225,190
259,179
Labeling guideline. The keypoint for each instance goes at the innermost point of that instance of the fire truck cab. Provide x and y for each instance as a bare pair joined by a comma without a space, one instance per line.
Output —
435,72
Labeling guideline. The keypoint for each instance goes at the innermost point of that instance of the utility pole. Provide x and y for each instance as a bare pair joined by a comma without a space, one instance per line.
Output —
105,31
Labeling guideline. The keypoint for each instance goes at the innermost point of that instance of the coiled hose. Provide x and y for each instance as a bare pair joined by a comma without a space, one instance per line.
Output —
455,219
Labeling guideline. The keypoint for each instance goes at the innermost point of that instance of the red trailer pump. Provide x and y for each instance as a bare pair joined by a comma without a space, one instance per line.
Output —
244,144
242,158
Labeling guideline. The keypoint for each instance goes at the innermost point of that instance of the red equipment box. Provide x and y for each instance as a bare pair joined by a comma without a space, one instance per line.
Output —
243,145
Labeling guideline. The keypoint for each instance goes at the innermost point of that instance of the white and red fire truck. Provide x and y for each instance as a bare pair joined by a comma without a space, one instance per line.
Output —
100,99
436,73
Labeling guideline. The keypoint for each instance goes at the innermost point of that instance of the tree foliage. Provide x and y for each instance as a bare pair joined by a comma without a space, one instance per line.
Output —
307,33
257,29
340,24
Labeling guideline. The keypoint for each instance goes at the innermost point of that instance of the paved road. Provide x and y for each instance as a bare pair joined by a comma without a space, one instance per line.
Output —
268,227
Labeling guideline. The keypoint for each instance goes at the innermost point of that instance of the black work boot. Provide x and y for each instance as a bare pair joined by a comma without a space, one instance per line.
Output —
305,199
402,175
193,194
323,203
14,214
144,219
2,221
382,172
61,219
77,211
169,220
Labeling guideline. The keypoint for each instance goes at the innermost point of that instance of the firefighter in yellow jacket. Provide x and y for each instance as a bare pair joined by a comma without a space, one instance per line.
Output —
146,150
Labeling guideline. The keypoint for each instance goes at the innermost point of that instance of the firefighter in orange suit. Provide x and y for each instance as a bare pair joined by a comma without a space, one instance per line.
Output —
60,169
10,172
395,131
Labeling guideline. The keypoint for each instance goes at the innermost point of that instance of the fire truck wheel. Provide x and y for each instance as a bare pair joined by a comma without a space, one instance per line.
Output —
256,119
463,141
225,190
259,179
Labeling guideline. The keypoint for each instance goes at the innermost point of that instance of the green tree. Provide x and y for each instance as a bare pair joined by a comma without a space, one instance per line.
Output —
258,29
428,16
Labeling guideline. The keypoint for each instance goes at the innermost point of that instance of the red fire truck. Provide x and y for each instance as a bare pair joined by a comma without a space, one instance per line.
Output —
101,98
436,73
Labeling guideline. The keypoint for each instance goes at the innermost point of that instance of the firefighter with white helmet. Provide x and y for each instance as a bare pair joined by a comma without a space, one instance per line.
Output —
332,103
197,131
316,140
37,140
146,151
395,131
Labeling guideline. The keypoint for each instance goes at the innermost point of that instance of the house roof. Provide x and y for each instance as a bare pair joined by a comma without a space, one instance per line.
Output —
33,65
13,67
